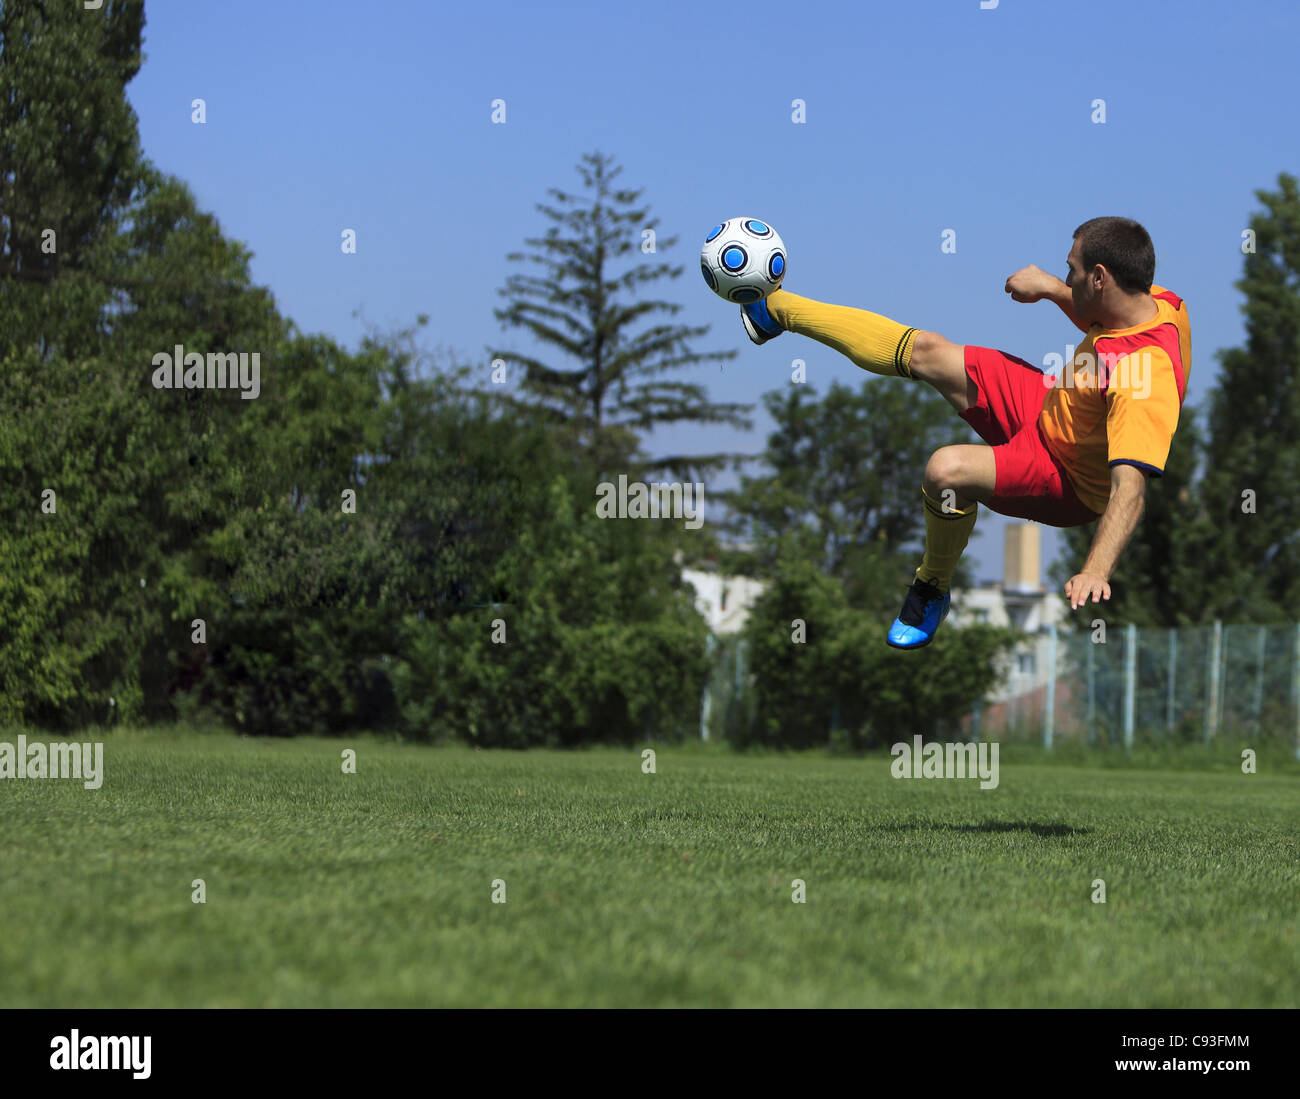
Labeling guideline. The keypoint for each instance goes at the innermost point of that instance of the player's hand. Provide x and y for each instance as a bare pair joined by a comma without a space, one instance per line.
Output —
1084,584
1030,284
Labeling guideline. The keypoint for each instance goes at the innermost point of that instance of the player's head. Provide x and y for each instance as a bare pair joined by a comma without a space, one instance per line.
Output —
1111,258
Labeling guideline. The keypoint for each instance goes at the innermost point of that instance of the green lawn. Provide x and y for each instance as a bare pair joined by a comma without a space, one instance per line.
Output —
627,889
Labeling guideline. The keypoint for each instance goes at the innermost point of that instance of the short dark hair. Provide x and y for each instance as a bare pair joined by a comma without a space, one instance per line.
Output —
1121,246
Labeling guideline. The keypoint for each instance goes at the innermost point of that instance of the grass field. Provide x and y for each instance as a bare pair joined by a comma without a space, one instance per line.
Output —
626,889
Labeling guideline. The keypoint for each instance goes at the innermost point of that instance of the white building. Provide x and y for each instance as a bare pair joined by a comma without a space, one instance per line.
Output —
724,601
1021,601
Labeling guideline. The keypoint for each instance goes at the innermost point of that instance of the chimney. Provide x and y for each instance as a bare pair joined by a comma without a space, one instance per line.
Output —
1020,560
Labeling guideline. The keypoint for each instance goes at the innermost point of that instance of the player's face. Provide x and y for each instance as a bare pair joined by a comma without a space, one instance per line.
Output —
1079,284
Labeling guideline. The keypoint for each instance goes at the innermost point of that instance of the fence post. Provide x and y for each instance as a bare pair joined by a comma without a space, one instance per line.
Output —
1130,682
1092,693
1049,718
1173,677
1224,649
1258,708
706,704
1212,682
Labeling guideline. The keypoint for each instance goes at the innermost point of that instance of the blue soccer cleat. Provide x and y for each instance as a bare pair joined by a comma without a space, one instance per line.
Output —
923,609
759,323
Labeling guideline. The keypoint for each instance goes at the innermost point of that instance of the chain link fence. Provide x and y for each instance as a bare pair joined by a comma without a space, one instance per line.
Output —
1193,684
1106,687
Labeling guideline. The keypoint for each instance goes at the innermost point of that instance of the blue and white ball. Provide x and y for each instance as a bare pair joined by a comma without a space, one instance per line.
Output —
743,260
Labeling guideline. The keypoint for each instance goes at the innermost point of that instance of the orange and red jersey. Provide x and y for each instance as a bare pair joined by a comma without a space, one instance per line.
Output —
1118,400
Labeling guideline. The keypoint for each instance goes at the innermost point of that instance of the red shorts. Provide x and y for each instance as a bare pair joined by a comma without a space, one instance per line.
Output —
1030,483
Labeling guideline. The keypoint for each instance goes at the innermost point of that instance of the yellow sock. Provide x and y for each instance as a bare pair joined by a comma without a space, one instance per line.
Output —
946,535
873,342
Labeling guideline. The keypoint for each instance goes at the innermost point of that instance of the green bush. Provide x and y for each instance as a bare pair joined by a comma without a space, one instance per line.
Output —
842,676
599,642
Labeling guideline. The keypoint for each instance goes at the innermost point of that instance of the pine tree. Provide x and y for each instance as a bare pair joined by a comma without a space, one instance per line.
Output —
586,301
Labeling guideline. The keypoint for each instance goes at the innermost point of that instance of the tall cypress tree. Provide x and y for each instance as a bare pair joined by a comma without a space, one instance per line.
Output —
69,164
69,149
585,301
1253,467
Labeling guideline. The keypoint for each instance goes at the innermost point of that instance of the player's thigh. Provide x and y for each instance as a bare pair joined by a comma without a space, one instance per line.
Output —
968,469
942,363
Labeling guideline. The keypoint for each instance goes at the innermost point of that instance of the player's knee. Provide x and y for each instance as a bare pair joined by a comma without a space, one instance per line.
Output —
945,470
936,359
925,345
923,349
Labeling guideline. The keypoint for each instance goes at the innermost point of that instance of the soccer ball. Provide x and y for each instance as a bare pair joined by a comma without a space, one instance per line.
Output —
743,260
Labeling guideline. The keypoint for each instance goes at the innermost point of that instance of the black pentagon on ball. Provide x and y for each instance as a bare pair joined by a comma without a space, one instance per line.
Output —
708,276
744,294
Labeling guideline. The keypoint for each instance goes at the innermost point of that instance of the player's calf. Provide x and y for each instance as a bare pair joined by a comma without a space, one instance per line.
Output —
955,478
870,341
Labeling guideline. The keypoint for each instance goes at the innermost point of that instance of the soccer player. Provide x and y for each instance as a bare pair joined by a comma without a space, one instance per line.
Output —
1063,452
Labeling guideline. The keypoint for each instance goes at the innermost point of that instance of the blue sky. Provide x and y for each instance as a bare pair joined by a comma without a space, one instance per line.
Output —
921,117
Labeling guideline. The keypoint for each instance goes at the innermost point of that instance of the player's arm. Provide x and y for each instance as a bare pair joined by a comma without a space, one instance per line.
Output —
1128,486
1034,284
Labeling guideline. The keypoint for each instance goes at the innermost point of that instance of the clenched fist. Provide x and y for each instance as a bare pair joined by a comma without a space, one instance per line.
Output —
1031,284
